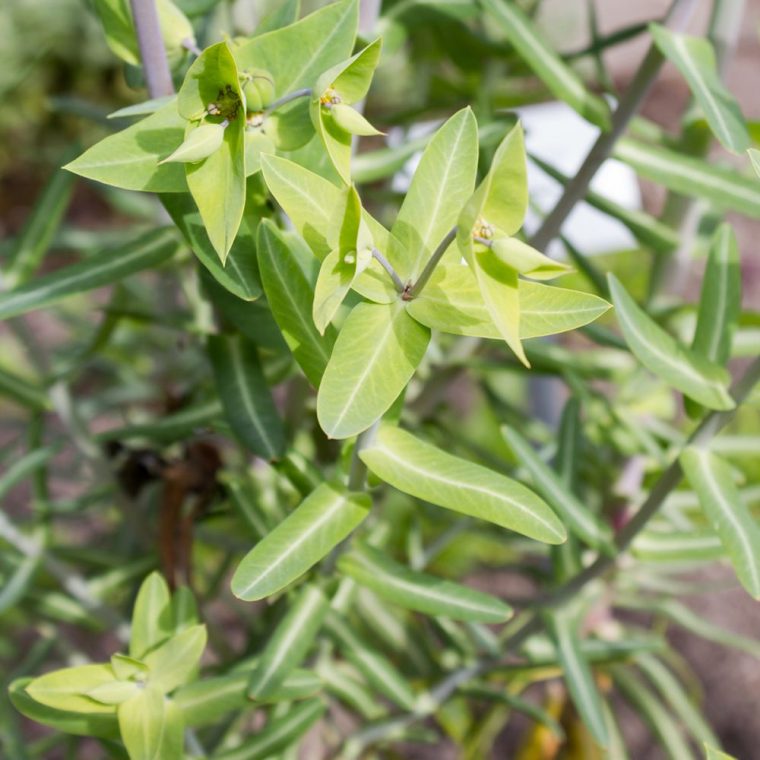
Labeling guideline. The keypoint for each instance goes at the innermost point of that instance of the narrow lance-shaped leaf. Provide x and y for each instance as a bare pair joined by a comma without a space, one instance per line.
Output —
720,302
695,59
424,471
576,516
289,643
379,671
246,398
723,187
375,356
579,678
719,498
452,302
278,734
420,591
142,721
559,78
130,158
690,373
148,251
322,520
290,292
65,689
204,701
754,159
442,183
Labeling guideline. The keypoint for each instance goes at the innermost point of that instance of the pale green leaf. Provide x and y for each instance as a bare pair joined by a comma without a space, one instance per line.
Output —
661,354
113,692
152,621
527,260
146,252
290,292
579,678
130,158
695,59
720,302
100,724
305,536
442,183
67,689
289,643
378,349
712,753
200,143
451,302
212,71
245,394
719,498
176,660
724,188
424,471
499,285
278,733
542,58
299,53
418,591
754,158
585,524
141,722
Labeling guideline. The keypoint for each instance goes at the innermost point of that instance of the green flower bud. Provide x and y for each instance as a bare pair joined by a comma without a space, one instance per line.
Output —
258,89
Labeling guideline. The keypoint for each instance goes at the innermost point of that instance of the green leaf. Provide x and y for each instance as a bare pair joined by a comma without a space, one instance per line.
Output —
451,302
66,689
424,471
23,390
499,285
420,591
290,292
712,479
200,143
695,59
576,516
661,354
526,260
754,158
677,546
221,176
114,692
283,14
289,643
141,722
558,77
311,202
340,86
501,199
720,302
375,356
278,733
176,660
99,724
246,398
152,621
676,697
146,252
320,522
205,83
204,702
239,273
578,675
711,753
299,53
442,183
379,671
32,243
130,158
724,188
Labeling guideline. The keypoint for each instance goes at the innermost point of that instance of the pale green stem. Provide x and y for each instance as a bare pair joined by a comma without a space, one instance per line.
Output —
388,267
427,272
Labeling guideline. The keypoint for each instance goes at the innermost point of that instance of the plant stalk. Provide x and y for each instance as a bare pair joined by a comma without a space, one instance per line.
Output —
152,52
427,272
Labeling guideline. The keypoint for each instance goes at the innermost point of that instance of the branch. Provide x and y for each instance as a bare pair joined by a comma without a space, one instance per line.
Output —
152,52
427,272
678,17
388,267
285,99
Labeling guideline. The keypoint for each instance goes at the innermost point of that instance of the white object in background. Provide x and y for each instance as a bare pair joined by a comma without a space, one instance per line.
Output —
559,136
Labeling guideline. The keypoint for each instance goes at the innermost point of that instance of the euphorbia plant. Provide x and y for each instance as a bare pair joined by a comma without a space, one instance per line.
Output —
349,498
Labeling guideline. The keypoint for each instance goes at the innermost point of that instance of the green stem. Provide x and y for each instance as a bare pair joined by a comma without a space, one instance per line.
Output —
427,272
388,267
152,52
285,99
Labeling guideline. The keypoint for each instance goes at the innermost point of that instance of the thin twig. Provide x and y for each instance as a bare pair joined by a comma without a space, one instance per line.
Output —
285,99
427,272
158,77
388,267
